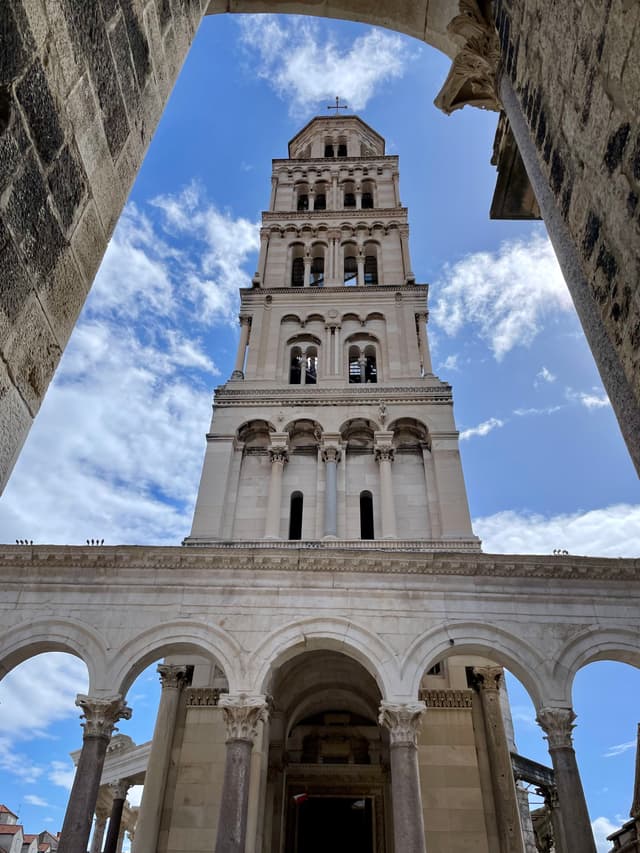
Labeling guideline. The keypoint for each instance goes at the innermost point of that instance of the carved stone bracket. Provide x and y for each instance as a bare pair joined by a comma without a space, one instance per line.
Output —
403,720
242,713
557,724
101,715
202,697
473,77
172,676
447,698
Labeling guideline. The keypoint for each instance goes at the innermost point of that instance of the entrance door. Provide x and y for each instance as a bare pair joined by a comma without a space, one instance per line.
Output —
334,825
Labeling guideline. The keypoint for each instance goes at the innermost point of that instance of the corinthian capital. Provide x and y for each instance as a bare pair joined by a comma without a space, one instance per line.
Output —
242,714
279,454
120,789
487,677
101,715
384,454
330,454
472,78
557,724
403,720
174,676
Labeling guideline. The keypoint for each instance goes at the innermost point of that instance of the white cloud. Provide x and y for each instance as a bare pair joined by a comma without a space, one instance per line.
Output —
304,64
594,399
482,429
619,749
505,295
41,691
134,795
602,827
545,375
612,531
62,773
450,363
525,715
135,382
33,800
545,410
18,764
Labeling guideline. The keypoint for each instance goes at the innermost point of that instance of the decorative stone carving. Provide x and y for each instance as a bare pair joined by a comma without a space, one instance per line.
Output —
487,677
331,454
279,455
557,724
447,698
473,77
120,743
101,715
384,454
202,696
120,789
242,714
172,676
403,720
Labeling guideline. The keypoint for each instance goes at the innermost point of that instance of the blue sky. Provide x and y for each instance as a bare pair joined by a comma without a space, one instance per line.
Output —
544,461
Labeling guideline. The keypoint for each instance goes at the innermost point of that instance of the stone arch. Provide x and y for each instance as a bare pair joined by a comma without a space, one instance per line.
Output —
332,633
595,644
190,637
476,638
56,635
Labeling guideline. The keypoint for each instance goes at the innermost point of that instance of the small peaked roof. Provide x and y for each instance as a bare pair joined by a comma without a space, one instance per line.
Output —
10,828
30,838
327,121
5,810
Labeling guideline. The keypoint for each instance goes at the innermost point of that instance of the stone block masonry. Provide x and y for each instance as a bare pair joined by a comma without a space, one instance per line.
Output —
82,87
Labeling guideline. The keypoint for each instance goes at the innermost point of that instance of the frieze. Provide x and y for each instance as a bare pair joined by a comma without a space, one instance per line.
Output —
202,697
395,213
417,557
447,698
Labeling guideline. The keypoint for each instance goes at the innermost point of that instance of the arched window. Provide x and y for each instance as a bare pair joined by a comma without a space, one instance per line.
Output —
354,364
321,201
303,201
328,149
367,200
370,365
317,271
349,199
311,367
366,515
295,366
350,267
295,516
370,269
342,149
297,272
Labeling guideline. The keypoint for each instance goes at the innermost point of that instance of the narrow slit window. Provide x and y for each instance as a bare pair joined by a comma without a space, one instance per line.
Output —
350,270
317,272
320,202
367,201
349,200
328,150
295,516
295,367
366,515
370,270
342,149
297,272
303,201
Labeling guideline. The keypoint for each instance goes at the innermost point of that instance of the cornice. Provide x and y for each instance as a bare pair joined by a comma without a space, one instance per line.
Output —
328,162
350,213
227,397
420,289
96,565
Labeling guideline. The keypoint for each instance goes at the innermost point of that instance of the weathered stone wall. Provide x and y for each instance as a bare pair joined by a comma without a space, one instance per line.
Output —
575,68
82,86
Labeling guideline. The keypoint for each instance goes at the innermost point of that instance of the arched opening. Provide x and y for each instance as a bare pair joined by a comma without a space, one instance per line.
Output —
295,515
370,365
295,366
366,515
367,195
332,776
316,278
297,265
349,195
350,265
303,201
355,364
320,202
310,362
370,269
328,148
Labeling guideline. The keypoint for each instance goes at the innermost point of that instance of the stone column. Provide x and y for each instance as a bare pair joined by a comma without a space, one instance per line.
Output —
274,189
262,257
384,456
360,263
307,270
303,367
245,325
406,260
100,717
242,714
358,195
279,459
403,721
334,191
487,683
98,831
172,679
396,188
331,457
425,359
557,724
362,361
119,790
311,195
337,353
433,503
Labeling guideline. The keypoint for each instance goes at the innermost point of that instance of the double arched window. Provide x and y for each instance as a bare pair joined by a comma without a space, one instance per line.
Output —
303,366
363,364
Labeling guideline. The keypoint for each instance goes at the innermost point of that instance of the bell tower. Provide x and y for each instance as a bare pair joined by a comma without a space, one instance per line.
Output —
332,425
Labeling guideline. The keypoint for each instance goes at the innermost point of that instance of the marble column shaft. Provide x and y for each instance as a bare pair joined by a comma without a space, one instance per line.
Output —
100,717
274,499
238,370
331,456
173,679
115,819
425,359
384,455
488,680
557,724
242,715
403,722
99,827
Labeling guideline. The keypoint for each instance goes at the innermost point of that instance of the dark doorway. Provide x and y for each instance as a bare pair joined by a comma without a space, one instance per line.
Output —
366,515
295,516
334,825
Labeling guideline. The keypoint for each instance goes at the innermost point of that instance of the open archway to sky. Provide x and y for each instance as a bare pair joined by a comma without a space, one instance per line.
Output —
116,450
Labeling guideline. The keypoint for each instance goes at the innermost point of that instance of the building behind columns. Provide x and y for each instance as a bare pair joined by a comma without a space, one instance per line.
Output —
334,433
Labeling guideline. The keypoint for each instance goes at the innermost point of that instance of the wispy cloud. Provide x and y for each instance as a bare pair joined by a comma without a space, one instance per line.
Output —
545,375
450,363
61,773
533,410
34,800
482,429
136,382
612,531
602,827
505,296
594,399
619,749
305,65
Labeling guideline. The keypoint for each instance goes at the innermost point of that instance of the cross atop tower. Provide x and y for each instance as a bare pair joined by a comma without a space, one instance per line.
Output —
338,106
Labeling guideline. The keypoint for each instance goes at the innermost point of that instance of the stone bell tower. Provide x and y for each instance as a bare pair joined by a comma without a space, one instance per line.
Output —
332,425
